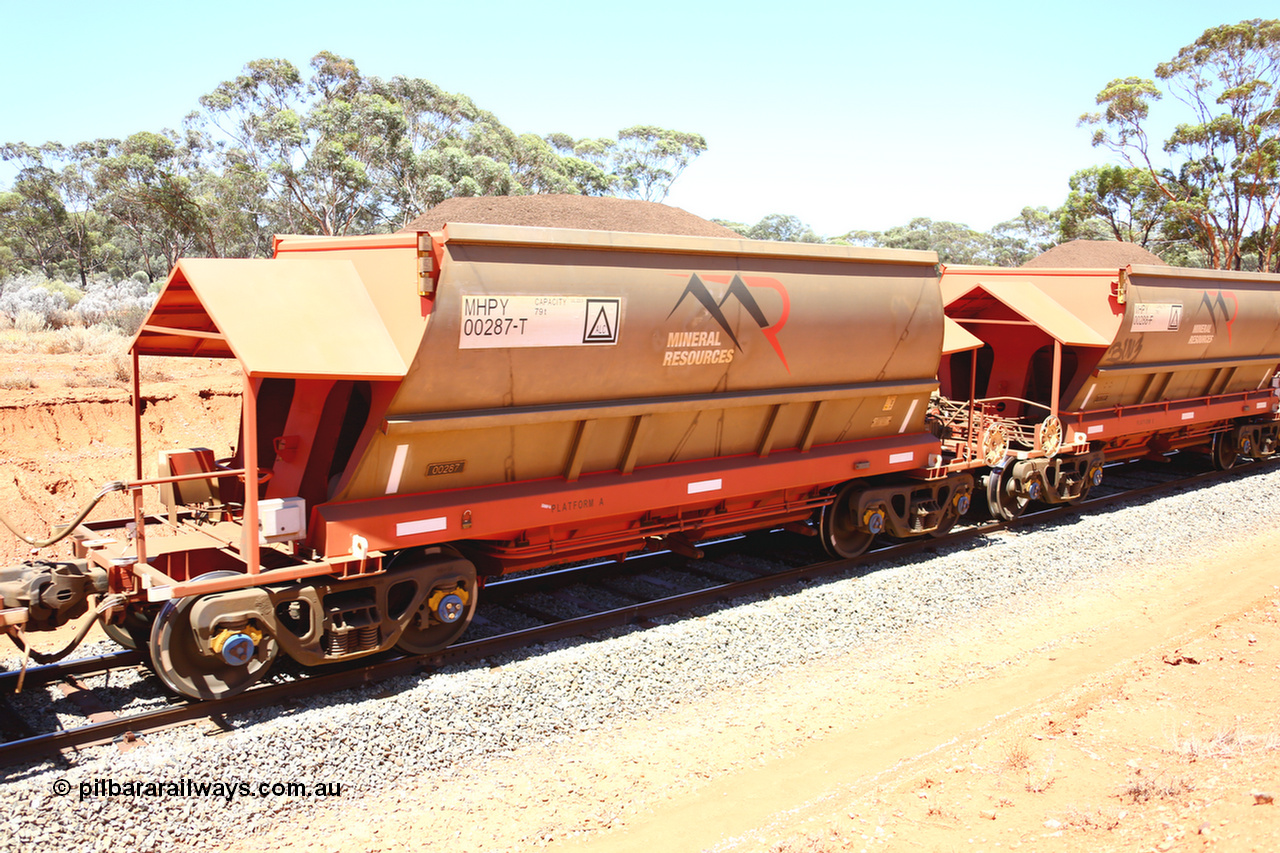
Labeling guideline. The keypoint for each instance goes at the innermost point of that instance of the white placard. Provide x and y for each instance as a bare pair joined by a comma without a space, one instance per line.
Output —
704,486
494,321
1156,317
425,525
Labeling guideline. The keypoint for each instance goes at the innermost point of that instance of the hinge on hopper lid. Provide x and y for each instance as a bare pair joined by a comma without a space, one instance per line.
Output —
428,271
1120,286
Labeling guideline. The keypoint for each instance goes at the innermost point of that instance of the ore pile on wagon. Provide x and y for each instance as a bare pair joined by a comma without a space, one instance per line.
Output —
425,410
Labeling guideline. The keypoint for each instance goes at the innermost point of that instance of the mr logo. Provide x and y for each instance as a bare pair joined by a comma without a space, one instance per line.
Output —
1228,312
740,290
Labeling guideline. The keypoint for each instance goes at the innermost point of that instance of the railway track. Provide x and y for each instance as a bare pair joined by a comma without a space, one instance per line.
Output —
524,611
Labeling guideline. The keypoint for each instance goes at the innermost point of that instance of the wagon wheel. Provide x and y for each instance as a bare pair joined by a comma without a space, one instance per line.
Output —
1050,436
842,535
1004,503
186,670
444,612
1225,453
128,632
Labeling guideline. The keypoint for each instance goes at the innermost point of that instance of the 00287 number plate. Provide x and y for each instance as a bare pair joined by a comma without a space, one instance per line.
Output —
494,321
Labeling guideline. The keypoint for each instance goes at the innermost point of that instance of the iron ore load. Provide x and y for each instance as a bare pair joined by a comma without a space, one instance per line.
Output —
427,409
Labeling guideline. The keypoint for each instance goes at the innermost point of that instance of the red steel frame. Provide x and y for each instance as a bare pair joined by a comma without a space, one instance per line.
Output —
598,515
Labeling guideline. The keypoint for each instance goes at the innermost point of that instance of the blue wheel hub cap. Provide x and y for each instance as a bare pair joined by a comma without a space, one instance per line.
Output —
238,649
450,608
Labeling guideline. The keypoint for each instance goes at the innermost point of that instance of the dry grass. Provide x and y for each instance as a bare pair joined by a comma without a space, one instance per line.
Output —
1090,820
95,340
1140,789
20,381
98,381
1227,742
122,367
1017,756
1038,783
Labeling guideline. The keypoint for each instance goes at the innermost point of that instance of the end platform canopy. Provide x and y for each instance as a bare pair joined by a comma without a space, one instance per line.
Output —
1097,308
303,318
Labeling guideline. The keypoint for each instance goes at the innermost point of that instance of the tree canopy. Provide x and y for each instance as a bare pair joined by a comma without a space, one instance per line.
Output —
327,150
274,150
1219,171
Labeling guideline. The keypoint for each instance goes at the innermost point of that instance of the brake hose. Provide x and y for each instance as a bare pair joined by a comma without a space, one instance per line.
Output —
66,529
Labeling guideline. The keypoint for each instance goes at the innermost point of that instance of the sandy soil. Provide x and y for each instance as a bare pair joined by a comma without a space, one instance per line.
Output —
62,440
1143,716
1140,716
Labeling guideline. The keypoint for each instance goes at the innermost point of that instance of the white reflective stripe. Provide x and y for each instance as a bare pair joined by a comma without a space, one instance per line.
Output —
1096,428
425,525
895,458
397,468
911,411
1186,416
1092,385
1262,405
705,486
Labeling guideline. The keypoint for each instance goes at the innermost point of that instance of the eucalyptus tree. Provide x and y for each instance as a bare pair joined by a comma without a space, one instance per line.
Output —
1015,241
784,227
955,243
1113,202
648,159
50,222
32,215
1219,171
313,145
586,162
146,183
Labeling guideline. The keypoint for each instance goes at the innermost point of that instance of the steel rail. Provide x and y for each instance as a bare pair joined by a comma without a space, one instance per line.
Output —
353,676
49,673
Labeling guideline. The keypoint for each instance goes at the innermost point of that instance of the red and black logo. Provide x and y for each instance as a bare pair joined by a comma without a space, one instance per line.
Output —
1228,312
740,289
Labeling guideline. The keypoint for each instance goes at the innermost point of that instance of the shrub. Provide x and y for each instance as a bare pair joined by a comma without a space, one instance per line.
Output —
27,296
30,322
122,304
60,288
32,303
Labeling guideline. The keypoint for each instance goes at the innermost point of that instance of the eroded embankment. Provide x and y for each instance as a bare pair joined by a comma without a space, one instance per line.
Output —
57,450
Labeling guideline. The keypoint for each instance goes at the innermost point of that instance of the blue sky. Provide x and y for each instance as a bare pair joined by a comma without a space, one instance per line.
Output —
847,115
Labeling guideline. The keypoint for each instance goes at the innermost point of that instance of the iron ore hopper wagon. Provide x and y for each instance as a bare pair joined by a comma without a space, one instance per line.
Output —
1082,366
425,410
